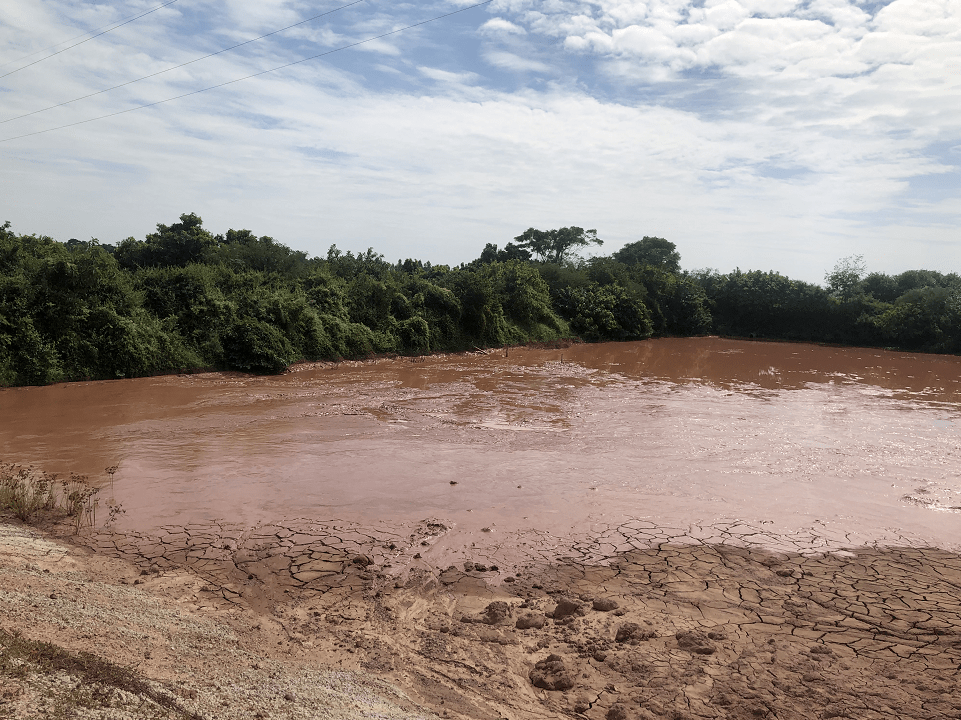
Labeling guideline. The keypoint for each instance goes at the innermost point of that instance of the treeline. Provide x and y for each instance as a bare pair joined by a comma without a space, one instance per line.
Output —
186,299
918,310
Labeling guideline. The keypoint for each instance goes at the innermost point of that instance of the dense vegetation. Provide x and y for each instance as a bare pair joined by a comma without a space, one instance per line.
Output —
184,298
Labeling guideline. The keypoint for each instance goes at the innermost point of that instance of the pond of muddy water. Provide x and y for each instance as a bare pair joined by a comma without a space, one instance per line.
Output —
863,444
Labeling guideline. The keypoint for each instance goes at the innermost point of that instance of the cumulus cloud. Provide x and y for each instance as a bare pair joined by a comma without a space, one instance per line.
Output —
500,26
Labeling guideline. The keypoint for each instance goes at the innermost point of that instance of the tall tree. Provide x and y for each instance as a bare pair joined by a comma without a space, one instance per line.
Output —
654,251
844,281
556,246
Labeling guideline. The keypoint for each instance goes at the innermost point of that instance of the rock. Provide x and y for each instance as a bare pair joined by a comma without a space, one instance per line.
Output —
495,613
480,568
551,674
510,579
566,608
604,604
468,566
600,655
528,621
361,560
290,697
694,641
582,704
619,711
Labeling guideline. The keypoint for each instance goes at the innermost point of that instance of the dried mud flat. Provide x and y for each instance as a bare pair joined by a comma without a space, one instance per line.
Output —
334,620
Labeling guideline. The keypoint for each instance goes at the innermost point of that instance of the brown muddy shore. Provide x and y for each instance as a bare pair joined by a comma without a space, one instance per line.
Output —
343,621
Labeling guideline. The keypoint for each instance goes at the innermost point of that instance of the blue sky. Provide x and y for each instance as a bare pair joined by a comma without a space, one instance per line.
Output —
760,134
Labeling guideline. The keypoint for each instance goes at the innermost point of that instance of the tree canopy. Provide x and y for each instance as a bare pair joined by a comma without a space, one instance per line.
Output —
654,251
556,246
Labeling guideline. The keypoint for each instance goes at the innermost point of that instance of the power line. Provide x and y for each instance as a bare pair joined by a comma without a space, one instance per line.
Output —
51,47
125,22
175,67
248,77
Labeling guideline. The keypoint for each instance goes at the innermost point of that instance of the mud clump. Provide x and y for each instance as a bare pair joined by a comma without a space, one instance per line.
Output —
495,613
530,621
620,711
566,607
604,604
552,674
633,633
695,642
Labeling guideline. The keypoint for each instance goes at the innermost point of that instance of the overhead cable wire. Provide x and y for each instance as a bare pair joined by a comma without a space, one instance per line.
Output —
248,77
125,22
51,47
175,67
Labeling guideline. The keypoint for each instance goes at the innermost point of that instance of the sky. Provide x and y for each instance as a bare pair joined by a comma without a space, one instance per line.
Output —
755,134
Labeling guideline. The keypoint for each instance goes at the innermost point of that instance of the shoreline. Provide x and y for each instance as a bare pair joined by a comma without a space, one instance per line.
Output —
663,631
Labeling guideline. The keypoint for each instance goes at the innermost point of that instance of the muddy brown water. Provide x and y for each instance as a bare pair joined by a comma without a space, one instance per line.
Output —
861,445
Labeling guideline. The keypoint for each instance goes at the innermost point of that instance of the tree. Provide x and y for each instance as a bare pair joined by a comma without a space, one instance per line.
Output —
844,281
510,252
654,251
175,245
556,246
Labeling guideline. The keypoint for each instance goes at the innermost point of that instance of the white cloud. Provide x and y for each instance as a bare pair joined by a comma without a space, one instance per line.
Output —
500,26
447,76
510,61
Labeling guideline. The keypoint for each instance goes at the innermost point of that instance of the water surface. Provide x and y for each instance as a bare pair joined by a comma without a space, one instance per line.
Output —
674,431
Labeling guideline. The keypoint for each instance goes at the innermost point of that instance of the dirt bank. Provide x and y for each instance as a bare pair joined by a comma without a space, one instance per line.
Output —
331,622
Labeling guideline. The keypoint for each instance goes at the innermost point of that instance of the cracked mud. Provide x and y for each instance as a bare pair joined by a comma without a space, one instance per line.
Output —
680,625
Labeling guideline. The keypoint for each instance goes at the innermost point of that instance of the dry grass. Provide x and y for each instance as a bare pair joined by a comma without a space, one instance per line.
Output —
20,656
34,495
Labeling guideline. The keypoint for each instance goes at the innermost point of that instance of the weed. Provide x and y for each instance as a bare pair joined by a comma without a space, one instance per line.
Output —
116,510
26,492
32,495
78,501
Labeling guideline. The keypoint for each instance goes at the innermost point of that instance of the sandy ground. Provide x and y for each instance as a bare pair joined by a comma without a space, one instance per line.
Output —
337,621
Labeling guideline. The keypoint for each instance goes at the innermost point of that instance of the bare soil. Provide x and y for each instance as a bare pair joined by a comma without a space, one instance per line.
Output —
330,621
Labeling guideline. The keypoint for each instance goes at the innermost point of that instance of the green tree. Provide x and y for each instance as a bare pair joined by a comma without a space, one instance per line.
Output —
172,245
654,251
598,313
844,281
557,246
